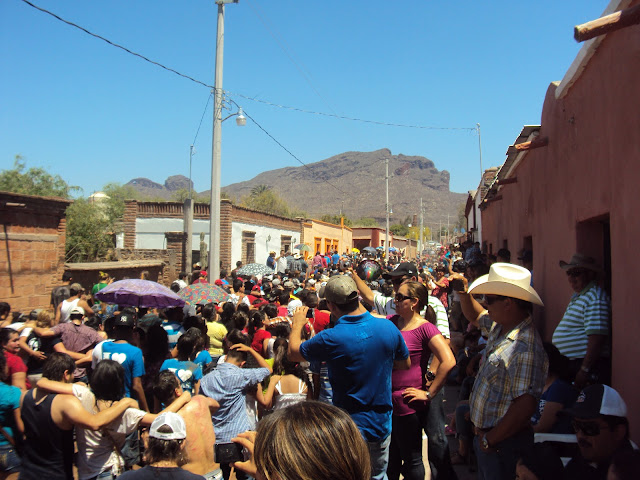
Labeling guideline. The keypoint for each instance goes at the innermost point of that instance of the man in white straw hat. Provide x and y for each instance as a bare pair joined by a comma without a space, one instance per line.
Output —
512,371
582,333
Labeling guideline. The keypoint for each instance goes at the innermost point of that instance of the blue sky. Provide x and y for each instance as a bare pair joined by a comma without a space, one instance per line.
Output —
94,114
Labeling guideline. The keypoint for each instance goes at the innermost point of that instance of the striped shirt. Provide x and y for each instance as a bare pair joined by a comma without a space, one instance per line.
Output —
588,313
512,365
174,332
386,306
227,385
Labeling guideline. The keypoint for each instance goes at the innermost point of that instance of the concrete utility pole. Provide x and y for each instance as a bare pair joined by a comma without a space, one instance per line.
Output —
386,163
421,245
216,151
480,148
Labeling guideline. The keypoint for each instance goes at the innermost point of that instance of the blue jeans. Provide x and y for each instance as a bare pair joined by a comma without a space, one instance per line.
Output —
9,460
406,443
500,462
379,457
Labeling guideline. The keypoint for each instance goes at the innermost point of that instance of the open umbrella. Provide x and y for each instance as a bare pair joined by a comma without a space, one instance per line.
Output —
255,269
369,250
134,292
203,293
355,250
303,247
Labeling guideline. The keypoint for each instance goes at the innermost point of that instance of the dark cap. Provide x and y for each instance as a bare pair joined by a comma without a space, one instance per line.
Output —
340,289
596,400
125,320
405,268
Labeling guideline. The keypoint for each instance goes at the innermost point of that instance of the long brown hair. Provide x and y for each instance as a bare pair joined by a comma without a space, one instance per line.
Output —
419,292
311,441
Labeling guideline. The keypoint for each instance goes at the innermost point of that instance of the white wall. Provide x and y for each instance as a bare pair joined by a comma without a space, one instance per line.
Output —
150,232
263,246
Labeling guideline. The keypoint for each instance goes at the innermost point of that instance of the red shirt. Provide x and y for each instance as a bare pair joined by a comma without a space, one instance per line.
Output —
321,320
16,365
258,340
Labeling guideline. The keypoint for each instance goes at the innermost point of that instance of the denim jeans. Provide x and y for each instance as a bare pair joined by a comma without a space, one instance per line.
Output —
406,443
500,462
9,460
379,457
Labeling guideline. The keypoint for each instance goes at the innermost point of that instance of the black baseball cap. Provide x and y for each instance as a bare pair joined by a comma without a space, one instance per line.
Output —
405,268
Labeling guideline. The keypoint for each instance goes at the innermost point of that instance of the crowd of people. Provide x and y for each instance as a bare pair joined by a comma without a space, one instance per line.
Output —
331,367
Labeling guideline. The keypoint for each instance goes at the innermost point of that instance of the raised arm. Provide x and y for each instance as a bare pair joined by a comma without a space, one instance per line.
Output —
365,292
295,337
174,406
259,358
470,307
266,399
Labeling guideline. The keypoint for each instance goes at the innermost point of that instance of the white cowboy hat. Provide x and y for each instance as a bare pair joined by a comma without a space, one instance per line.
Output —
508,280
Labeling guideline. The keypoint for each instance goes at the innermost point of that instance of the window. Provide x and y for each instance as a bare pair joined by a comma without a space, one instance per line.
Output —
285,243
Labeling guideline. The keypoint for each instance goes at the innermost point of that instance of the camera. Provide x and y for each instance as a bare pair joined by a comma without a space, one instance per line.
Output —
228,452
460,266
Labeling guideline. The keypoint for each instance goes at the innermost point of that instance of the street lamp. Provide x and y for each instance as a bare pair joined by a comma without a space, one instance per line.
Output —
216,147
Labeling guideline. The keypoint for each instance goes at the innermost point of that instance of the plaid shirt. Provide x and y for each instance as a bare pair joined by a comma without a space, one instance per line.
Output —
512,365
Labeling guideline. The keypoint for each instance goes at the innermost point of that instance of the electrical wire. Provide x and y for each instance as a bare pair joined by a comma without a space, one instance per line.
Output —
265,102
202,118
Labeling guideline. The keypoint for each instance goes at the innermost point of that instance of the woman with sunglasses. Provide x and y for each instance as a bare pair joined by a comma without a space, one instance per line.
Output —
411,394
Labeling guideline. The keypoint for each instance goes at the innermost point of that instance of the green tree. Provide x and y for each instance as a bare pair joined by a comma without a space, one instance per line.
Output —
259,190
268,201
335,219
89,232
366,222
34,181
399,229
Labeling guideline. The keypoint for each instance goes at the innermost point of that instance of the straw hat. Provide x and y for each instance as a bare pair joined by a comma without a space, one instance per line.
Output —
578,260
508,280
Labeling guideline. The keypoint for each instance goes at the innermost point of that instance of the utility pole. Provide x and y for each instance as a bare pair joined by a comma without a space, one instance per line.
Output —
421,245
386,164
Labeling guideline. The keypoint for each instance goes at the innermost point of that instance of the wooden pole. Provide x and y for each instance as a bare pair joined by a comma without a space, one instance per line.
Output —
607,24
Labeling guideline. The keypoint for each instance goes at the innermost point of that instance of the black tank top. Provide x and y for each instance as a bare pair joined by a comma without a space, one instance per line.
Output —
48,451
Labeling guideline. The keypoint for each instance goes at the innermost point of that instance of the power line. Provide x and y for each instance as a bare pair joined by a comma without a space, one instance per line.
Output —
205,111
265,102
287,150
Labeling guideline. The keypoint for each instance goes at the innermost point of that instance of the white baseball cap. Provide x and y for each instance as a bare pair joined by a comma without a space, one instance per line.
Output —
171,420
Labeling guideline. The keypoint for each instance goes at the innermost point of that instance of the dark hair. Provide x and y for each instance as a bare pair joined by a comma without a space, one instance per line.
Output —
109,326
558,363
175,287
270,310
93,322
74,291
5,335
5,308
55,366
209,312
283,366
159,450
187,343
350,306
284,298
107,381
240,320
237,355
256,320
67,277
156,344
504,253
164,386
237,284
244,308
193,322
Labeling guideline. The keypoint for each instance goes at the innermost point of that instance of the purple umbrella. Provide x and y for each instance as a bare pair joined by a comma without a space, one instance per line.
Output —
139,293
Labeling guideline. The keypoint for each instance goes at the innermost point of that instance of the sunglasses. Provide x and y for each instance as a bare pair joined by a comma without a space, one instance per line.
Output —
399,297
575,273
491,299
590,429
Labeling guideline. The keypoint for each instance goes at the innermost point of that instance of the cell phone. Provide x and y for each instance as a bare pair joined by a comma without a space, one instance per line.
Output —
228,452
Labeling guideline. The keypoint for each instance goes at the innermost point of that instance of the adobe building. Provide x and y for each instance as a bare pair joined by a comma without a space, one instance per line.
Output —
326,237
370,237
571,185
33,239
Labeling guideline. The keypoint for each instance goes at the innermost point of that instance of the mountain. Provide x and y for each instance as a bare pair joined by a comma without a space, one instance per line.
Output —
154,190
353,182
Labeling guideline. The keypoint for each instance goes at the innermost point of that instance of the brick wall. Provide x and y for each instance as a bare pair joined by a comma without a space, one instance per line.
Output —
129,223
32,242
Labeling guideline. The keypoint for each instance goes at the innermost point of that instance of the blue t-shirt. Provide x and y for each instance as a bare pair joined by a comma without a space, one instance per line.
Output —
203,359
9,401
188,373
360,351
558,392
129,356
335,259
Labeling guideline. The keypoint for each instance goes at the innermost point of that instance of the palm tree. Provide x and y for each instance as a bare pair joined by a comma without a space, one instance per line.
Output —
259,190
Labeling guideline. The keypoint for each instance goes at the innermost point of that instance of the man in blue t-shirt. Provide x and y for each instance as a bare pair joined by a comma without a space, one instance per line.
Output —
127,355
361,351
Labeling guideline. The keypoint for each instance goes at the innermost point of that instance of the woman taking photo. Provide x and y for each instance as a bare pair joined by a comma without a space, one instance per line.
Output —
412,395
